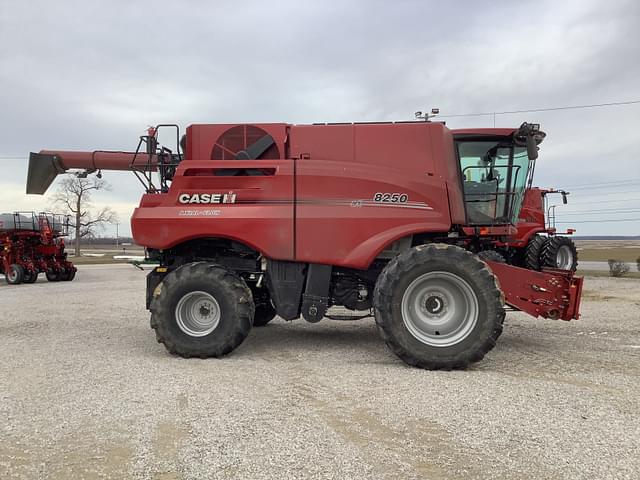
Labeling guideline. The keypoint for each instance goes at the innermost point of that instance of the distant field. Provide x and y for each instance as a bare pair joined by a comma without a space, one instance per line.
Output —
601,251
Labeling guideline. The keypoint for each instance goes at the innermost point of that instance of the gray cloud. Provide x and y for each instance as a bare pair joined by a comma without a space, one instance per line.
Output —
85,75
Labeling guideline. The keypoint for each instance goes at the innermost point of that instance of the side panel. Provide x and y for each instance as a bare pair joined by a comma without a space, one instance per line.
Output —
531,219
374,184
262,216
449,168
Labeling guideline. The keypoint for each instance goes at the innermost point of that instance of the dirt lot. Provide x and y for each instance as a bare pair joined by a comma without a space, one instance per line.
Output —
86,392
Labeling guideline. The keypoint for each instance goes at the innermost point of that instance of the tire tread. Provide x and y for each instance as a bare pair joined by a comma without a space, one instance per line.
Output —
550,251
213,273
533,252
401,266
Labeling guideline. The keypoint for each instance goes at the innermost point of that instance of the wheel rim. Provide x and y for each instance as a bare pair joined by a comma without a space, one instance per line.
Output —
439,309
564,258
197,314
12,275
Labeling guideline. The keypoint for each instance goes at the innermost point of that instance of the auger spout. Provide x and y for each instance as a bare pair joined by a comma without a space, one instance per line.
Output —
45,166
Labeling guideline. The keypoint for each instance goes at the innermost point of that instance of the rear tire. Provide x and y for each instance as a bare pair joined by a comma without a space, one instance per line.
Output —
52,276
201,310
15,274
560,252
438,306
533,252
68,275
30,277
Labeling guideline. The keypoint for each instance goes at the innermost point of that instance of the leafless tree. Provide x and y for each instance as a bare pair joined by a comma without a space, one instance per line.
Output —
74,195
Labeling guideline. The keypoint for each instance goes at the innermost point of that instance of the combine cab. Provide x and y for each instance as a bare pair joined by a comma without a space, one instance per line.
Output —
492,173
33,244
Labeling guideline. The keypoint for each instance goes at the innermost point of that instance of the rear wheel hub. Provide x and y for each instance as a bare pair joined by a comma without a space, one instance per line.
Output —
439,309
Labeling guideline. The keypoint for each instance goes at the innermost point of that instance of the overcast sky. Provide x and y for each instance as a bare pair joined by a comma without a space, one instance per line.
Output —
94,74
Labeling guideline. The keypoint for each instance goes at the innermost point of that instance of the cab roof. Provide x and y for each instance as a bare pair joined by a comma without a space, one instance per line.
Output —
492,132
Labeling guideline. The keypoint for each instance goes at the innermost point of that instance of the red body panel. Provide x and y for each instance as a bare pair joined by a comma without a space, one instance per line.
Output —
339,169
531,218
262,218
337,220
452,174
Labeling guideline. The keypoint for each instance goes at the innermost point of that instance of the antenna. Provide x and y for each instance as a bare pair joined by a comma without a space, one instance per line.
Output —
427,116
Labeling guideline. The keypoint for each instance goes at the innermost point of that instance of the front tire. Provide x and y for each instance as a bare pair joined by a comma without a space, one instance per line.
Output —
492,256
438,307
201,310
15,274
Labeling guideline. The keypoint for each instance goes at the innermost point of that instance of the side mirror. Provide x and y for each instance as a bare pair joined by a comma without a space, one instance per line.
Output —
532,147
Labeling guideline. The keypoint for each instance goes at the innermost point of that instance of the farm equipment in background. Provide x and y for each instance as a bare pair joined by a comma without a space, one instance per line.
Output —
395,220
537,243
32,243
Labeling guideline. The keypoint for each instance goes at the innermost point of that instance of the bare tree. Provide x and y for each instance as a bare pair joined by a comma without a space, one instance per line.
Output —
74,195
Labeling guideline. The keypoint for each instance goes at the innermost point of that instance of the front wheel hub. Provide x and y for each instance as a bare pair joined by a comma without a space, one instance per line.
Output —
434,304
197,314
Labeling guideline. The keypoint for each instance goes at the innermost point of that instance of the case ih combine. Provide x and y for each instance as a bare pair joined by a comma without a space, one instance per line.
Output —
32,244
536,243
406,220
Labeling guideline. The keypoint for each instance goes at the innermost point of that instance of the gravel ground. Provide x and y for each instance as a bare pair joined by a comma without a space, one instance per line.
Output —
86,392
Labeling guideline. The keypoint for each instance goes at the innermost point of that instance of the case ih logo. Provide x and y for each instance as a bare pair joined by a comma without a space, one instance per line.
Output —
207,198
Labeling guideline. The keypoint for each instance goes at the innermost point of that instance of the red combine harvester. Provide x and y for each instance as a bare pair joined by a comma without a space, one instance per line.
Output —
32,244
537,243
397,220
